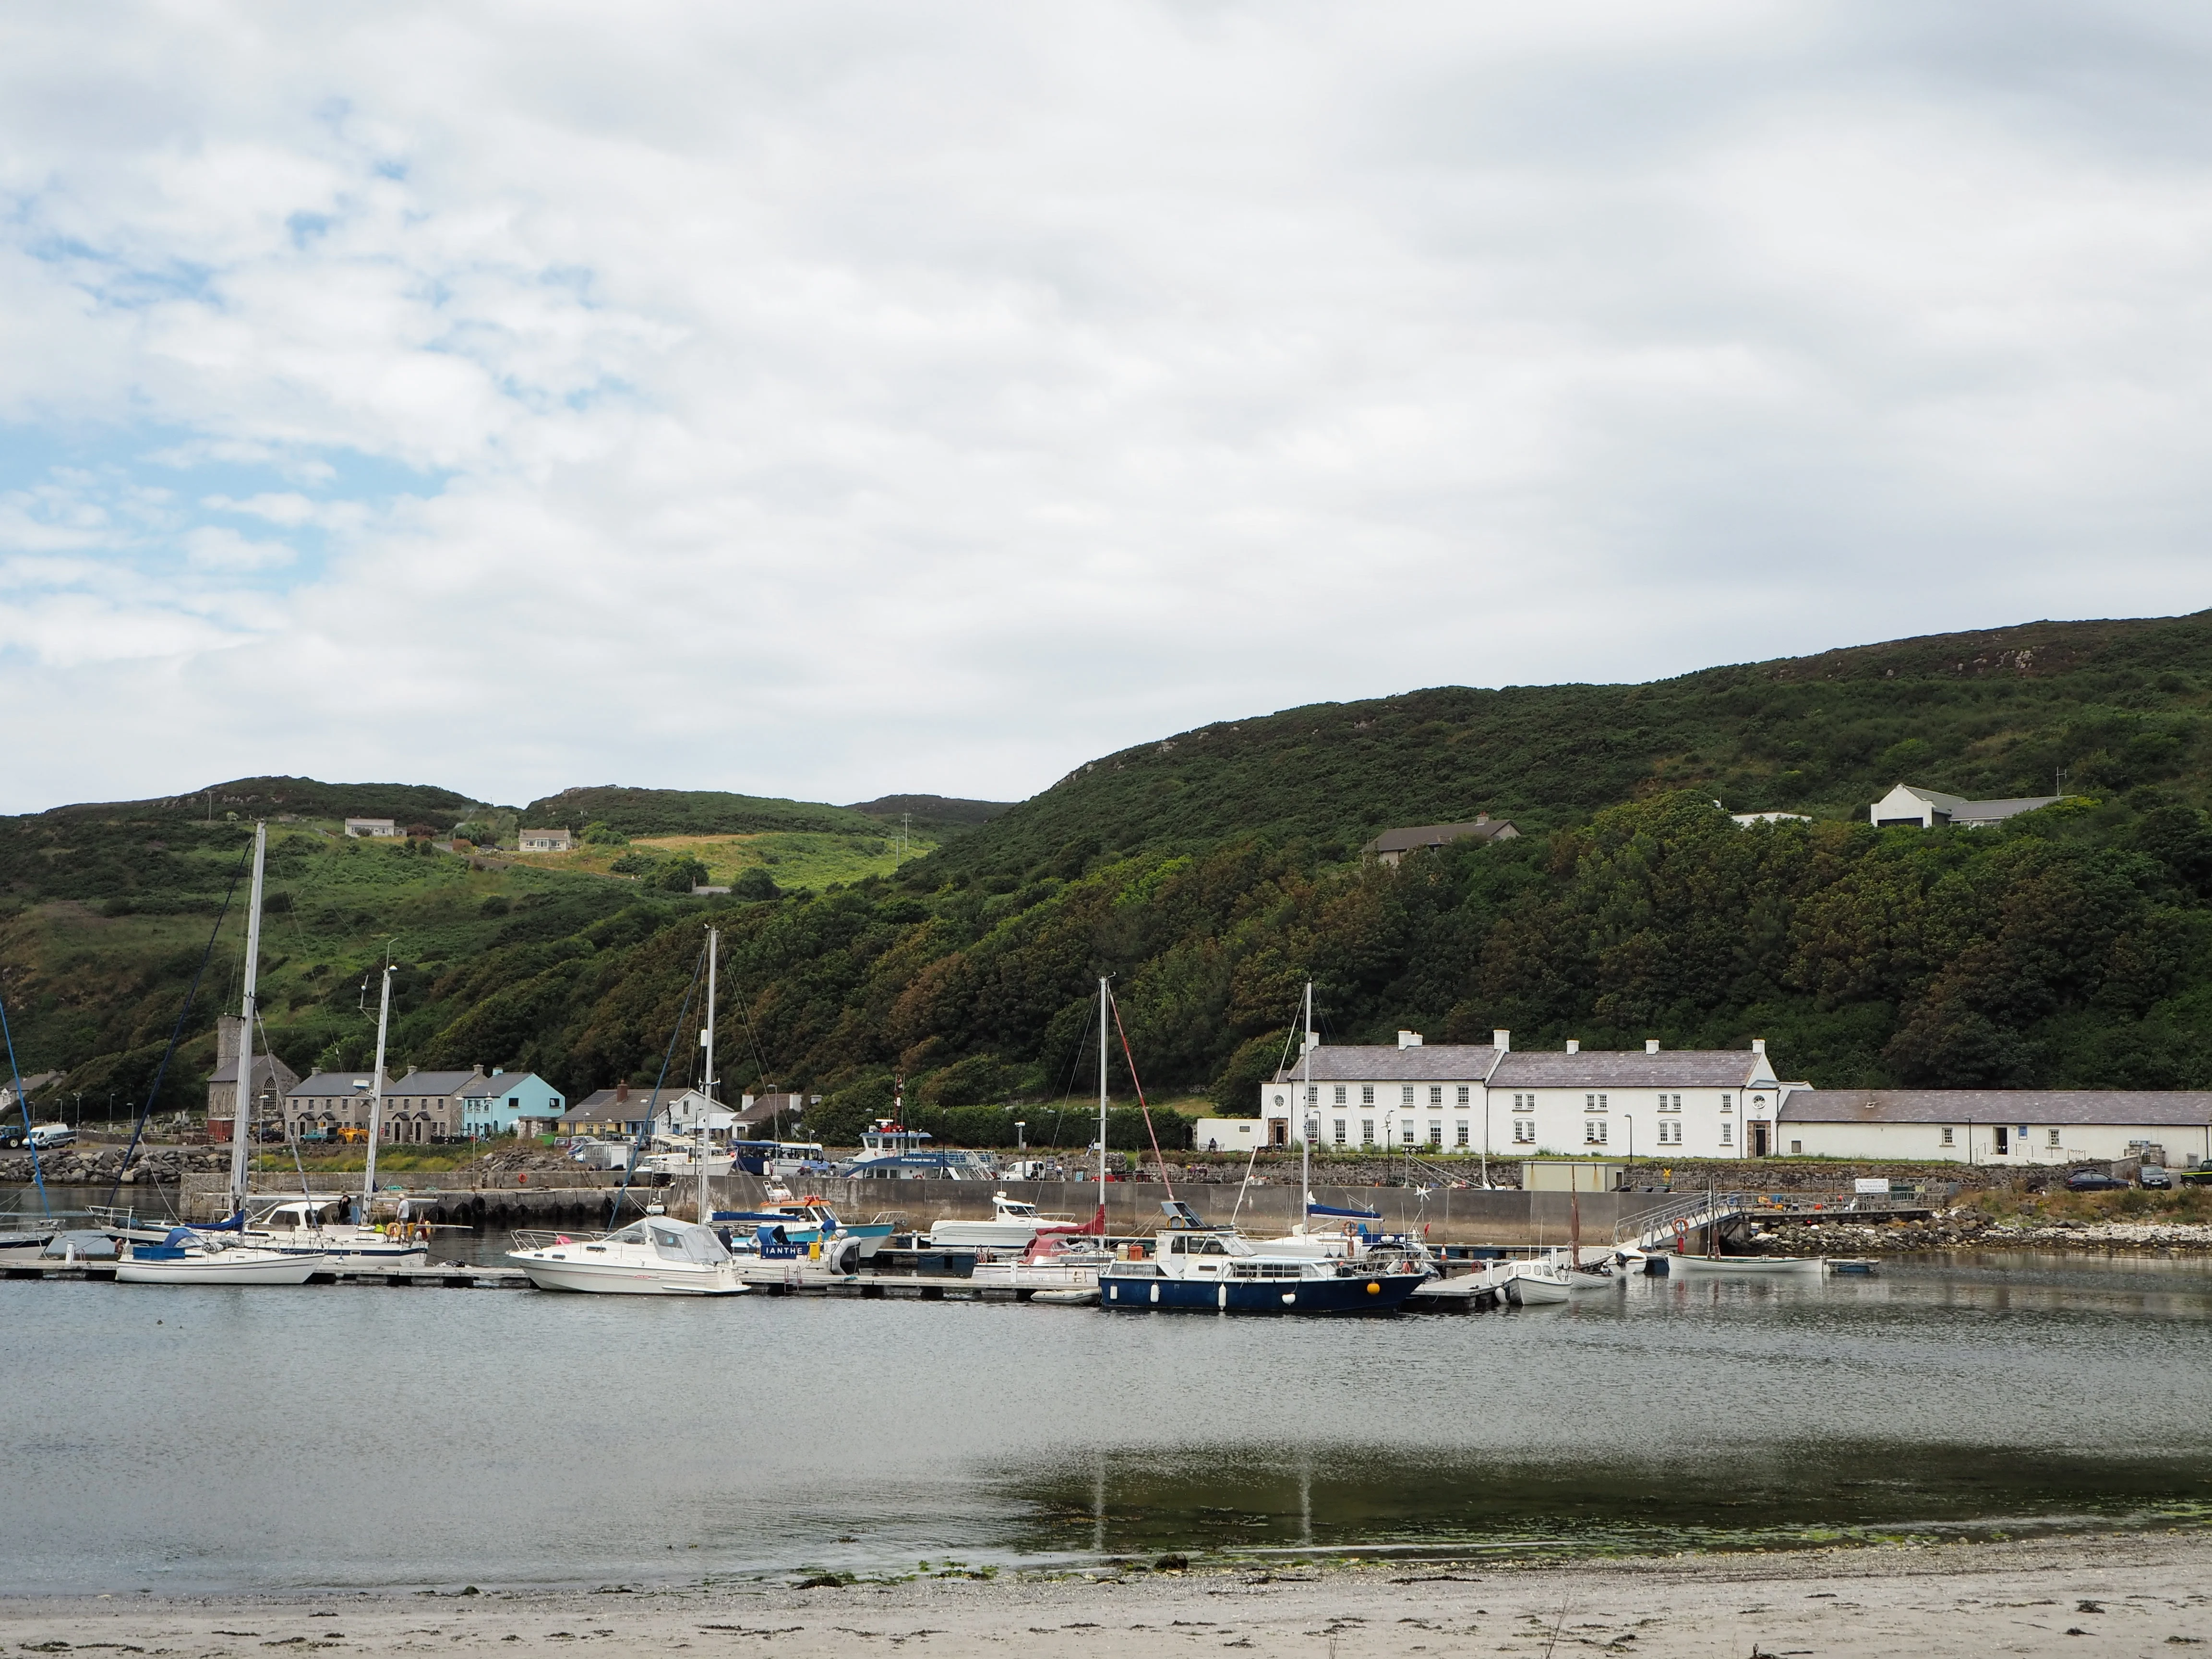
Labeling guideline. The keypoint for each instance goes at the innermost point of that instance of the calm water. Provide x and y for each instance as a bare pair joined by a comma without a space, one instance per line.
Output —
181,1438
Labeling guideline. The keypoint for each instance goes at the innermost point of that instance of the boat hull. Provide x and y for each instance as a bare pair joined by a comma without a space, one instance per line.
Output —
617,1279
24,1247
1382,1293
1737,1267
224,1268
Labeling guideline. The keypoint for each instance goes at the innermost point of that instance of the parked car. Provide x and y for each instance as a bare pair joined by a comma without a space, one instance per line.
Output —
46,1136
2155,1177
2094,1180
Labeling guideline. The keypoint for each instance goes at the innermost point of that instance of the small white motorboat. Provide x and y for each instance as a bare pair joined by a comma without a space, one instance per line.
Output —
1536,1282
1051,1263
657,1256
189,1258
1013,1225
1742,1267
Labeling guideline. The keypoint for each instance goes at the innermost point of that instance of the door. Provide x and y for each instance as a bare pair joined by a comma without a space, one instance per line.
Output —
1759,1140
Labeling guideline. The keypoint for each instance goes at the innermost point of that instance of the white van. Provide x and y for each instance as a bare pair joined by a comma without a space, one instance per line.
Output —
45,1135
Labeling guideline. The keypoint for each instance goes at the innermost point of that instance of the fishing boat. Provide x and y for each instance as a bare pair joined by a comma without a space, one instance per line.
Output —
809,1220
889,1151
657,1256
1013,1225
1538,1281
1742,1267
188,1257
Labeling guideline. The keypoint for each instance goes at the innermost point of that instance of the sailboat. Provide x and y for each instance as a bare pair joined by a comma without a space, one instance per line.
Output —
191,1256
658,1256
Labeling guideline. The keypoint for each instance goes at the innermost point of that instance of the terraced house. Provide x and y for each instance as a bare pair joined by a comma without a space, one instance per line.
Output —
427,1106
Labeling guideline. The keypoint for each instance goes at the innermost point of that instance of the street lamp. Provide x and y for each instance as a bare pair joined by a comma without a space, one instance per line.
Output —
1631,1117
1020,1144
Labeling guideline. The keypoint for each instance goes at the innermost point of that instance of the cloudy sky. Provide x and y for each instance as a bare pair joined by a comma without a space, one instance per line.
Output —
833,398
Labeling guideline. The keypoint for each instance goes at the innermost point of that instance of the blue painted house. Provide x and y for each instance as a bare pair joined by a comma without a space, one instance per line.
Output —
495,1105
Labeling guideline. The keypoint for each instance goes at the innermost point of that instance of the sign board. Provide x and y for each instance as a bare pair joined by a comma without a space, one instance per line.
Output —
1875,1186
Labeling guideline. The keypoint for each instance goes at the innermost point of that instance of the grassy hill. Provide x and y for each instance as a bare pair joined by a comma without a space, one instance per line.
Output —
1211,873
306,798
2113,705
940,816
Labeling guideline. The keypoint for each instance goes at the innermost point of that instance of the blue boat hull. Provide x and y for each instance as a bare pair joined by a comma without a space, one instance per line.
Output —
1379,1294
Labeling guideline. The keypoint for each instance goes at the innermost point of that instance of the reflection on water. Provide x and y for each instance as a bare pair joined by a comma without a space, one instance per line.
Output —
181,1438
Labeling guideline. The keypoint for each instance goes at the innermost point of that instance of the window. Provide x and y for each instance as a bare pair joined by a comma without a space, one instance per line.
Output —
1463,1094
1728,1103
1524,1132
1339,1094
1313,1095
1948,1138
1670,1134
1593,1102
1406,1095
1671,1103
2053,1141
1405,1133
1728,1135
1366,1094
2000,1139
1367,1132
1796,1147
1436,1133
1593,1132
1340,1132
1462,1131
1435,1094
1524,1103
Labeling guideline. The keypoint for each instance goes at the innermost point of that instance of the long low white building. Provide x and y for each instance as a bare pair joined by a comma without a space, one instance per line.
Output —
1688,1103
1997,1125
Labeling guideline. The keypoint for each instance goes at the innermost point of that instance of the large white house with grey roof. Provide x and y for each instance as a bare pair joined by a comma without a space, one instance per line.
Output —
1999,1127
1487,1098
1907,803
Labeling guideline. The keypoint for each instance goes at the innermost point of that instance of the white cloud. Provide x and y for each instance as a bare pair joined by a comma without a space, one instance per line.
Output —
856,396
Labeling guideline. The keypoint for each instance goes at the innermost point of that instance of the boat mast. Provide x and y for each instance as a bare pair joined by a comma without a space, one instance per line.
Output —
1102,1101
707,1041
241,1119
376,1098
1305,1120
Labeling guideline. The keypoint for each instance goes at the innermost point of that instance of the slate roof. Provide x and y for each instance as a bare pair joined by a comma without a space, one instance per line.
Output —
262,1064
2058,1107
328,1086
1438,1062
499,1083
1605,1068
432,1083
1987,812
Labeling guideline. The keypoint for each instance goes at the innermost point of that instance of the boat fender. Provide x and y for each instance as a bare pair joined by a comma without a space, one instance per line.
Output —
1373,1289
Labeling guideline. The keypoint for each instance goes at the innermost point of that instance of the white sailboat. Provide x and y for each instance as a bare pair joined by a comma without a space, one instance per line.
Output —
658,1256
216,1256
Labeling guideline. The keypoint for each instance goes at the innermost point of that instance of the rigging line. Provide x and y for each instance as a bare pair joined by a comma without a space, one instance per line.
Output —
650,1113
1115,1005
38,1173
1066,1094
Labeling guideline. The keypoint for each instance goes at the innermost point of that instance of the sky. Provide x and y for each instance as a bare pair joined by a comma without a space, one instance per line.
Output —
836,399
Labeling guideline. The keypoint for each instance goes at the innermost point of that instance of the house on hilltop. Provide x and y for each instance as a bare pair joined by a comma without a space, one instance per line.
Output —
1908,803
1393,845
546,840
380,829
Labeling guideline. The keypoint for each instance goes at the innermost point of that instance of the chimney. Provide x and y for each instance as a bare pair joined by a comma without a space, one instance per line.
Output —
621,1093
1574,1045
1501,1041
1758,1045
1651,1045
1313,1042
1482,817
227,1028
1409,1039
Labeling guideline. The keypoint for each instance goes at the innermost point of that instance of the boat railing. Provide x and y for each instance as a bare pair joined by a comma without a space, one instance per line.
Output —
544,1238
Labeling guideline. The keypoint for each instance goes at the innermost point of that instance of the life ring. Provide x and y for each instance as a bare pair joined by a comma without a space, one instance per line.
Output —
1681,1229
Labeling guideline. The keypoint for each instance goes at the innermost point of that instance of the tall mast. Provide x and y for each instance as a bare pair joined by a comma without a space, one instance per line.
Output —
706,1041
241,1120
376,1098
1102,1096
1305,1120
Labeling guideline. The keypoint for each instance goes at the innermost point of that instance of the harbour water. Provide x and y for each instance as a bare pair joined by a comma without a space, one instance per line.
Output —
172,1440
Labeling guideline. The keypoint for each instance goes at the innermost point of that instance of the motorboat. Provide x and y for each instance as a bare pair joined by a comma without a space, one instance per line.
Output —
1214,1272
808,1220
889,1152
24,1246
1741,1267
1539,1281
1013,1225
190,1257
656,1257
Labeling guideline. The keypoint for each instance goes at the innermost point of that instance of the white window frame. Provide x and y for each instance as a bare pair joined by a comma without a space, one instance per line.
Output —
1340,1132
1435,1094
1340,1095
1728,1135
1463,1133
1405,1094
1463,1094
1593,1132
1524,1132
1950,1135
1367,1132
1366,1094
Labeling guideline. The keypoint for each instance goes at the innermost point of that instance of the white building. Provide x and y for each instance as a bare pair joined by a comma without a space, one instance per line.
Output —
380,827
2001,1126
1907,804
545,840
1488,1098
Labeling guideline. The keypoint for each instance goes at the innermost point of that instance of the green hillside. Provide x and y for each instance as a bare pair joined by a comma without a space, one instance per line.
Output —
307,798
1213,874
2112,704
690,812
941,817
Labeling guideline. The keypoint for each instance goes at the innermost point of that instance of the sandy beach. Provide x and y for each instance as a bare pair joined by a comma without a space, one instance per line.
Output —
2133,1593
